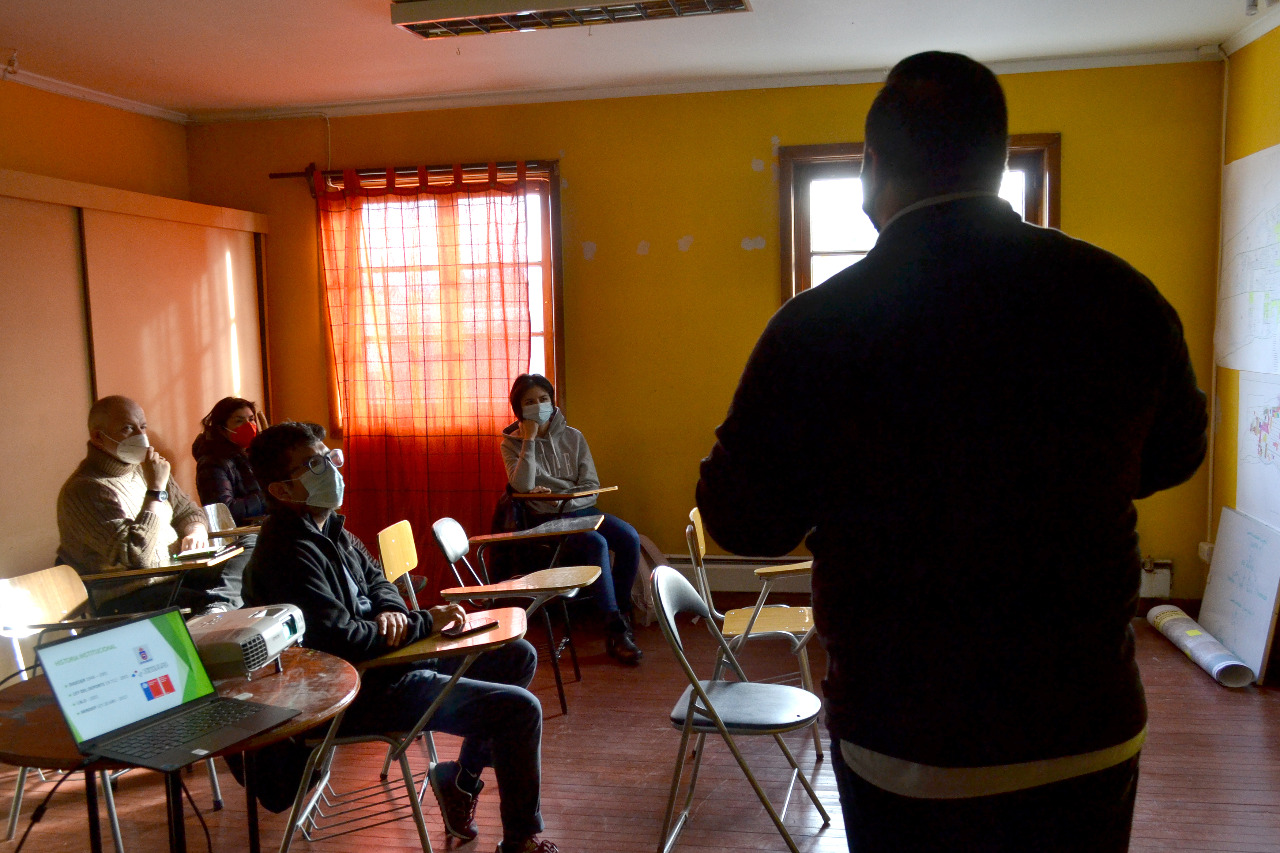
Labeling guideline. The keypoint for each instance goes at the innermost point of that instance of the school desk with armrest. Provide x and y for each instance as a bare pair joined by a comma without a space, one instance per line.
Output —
455,545
511,625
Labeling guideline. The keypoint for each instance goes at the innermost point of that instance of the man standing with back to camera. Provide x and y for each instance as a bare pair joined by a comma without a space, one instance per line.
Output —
960,422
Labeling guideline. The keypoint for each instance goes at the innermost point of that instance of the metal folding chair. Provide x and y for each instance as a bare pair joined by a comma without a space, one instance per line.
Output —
730,708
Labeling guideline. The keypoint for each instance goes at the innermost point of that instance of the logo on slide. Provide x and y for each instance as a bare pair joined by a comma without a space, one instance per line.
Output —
143,655
157,687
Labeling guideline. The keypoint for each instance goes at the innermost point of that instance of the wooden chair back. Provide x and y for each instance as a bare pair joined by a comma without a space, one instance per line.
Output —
219,517
697,542
40,598
399,556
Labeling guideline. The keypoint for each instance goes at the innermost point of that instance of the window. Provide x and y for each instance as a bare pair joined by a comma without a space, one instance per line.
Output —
440,288
403,239
824,229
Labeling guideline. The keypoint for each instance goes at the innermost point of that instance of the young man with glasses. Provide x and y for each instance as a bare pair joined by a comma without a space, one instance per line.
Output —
307,558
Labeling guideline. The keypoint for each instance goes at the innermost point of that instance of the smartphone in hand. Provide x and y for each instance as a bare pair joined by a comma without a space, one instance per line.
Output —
467,628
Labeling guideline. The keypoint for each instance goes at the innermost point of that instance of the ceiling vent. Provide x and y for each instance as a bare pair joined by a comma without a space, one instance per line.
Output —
435,18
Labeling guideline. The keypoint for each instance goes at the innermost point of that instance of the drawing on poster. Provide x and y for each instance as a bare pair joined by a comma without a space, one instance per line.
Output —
1258,448
1247,336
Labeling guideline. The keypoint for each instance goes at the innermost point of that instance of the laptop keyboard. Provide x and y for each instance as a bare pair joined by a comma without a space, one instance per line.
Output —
153,740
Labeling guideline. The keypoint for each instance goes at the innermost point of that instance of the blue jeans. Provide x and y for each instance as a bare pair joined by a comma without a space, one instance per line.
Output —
1090,813
499,721
612,591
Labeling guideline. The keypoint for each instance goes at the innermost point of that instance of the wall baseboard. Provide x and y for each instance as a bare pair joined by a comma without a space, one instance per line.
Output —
734,574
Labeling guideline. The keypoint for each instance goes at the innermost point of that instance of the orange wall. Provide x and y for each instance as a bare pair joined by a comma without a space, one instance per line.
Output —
61,137
655,342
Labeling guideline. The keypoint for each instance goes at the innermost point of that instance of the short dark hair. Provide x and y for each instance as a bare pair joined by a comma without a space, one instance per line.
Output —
523,383
224,409
940,124
269,451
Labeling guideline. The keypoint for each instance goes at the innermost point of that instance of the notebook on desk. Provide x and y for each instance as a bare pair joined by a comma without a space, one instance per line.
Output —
137,692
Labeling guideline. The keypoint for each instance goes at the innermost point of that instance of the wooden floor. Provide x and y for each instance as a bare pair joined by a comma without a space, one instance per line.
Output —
1210,772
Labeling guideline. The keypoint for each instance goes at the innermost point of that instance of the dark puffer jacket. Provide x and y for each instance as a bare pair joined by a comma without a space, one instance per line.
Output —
223,476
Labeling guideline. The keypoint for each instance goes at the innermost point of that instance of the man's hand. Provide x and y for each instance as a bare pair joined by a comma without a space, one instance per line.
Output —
540,490
528,428
392,626
444,615
155,470
197,536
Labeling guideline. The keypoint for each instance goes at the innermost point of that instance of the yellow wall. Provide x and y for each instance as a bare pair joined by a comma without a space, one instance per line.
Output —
655,341
1253,124
62,137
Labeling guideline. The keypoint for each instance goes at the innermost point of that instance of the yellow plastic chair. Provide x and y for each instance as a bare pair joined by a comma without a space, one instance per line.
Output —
399,557
779,621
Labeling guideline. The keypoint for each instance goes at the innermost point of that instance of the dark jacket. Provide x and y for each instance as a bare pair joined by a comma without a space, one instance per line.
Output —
223,476
332,579
960,424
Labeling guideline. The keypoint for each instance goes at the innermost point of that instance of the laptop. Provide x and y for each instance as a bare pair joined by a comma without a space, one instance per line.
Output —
137,692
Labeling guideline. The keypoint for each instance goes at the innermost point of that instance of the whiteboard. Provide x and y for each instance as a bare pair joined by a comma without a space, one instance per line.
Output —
1239,607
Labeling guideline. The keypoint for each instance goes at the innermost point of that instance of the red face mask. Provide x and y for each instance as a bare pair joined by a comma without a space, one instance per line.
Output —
243,434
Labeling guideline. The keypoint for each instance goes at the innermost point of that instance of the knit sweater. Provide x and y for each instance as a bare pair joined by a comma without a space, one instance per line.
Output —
100,520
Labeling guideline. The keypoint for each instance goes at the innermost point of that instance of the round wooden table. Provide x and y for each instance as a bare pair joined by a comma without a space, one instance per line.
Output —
33,732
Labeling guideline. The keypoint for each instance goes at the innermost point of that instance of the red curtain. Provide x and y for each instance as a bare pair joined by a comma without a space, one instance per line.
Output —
427,292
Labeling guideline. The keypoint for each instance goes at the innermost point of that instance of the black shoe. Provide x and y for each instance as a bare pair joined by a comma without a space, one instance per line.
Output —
457,807
620,644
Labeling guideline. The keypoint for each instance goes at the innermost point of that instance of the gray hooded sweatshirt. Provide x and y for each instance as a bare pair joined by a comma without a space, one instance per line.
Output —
560,460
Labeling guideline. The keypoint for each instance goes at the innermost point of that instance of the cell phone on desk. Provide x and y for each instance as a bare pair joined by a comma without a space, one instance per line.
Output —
468,627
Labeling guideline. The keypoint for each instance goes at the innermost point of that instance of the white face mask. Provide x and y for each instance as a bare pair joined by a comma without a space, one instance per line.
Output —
324,490
133,449
539,413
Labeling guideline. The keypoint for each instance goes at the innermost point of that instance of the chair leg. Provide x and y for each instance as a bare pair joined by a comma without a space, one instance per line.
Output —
804,780
112,816
670,833
412,790
568,636
555,660
214,787
15,807
806,680
301,808
764,798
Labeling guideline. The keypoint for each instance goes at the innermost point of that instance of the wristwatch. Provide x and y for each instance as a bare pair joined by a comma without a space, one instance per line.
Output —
159,494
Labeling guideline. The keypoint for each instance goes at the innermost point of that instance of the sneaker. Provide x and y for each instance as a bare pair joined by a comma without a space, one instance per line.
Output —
530,845
457,807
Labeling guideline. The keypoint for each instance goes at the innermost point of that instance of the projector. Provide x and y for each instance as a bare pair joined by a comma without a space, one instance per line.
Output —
238,643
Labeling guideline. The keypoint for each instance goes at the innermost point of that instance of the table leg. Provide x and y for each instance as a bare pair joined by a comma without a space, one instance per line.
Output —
91,804
251,801
173,803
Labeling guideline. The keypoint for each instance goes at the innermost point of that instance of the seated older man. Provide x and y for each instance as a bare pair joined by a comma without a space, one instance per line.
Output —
121,509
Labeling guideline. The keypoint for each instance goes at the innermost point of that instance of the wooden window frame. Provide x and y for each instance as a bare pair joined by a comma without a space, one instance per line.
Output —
1038,155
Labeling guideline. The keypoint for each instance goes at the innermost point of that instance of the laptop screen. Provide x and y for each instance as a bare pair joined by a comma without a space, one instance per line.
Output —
124,674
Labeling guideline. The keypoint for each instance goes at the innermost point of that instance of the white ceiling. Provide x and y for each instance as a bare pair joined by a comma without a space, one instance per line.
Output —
237,58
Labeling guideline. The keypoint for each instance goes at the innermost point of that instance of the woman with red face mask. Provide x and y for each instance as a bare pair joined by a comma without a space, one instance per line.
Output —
223,474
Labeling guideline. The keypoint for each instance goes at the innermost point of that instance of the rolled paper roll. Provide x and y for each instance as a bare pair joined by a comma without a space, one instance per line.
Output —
1206,652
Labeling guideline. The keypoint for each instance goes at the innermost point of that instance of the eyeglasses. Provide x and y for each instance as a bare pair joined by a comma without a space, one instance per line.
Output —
333,457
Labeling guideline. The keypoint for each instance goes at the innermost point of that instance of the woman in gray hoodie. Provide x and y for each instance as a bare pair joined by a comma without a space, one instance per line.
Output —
544,454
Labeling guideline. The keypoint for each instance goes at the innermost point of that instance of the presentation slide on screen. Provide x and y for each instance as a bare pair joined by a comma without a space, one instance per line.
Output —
108,680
